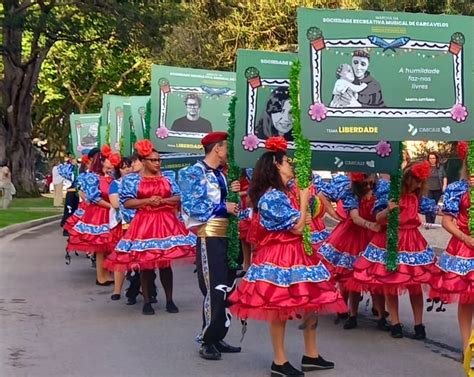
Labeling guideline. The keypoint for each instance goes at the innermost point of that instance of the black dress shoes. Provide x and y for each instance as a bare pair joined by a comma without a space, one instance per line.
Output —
171,307
285,370
209,352
148,309
315,363
227,348
105,283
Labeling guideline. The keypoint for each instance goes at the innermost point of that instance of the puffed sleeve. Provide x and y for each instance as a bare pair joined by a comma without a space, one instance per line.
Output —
129,187
170,176
114,188
336,189
349,200
66,171
427,206
194,200
249,173
381,194
452,197
319,185
80,181
91,187
276,212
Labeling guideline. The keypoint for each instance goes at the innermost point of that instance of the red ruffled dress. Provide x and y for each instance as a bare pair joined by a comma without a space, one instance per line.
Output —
283,282
155,237
454,277
79,212
415,258
91,232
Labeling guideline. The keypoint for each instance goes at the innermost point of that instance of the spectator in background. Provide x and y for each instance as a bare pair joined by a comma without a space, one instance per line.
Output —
6,186
436,183
58,185
406,158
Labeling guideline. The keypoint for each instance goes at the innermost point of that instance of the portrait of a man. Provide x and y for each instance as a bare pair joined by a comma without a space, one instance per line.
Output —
192,122
90,140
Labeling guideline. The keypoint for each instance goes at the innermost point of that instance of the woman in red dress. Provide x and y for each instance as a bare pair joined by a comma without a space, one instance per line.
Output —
155,237
454,277
283,282
92,232
415,257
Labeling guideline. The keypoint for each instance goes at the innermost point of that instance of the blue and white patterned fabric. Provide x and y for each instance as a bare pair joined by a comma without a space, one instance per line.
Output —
349,201
337,188
91,187
80,180
452,197
419,258
126,246
129,187
245,214
203,194
249,173
91,229
66,170
114,190
170,176
276,212
285,277
427,206
319,184
452,263
319,236
336,257
381,193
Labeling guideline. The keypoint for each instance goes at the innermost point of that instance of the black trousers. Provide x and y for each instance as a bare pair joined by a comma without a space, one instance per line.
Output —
215,282
70,205
436,195
134,289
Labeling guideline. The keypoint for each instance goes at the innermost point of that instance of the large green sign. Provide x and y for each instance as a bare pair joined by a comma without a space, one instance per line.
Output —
186,104
383,75
137,115
264,110
84,132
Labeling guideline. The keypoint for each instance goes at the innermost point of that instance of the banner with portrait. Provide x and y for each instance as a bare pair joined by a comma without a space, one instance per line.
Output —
263,110
384,75
84,132
186,104
136,120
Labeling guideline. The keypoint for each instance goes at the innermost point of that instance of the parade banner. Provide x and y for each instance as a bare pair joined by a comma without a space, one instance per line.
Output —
119,125
105,120
186,104
84,132
383,75
264,110
137,116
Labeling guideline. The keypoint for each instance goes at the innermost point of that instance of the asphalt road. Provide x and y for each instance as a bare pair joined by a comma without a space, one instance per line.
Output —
56,322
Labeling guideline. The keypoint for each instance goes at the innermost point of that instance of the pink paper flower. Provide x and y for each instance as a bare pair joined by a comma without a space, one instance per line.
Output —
459,112
317,111
383,149
162,132
250,142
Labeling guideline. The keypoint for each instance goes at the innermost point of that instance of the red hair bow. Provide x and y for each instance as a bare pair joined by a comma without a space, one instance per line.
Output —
276,144
462,148
105,151
357,177
421,170
144,147
115,159
85,160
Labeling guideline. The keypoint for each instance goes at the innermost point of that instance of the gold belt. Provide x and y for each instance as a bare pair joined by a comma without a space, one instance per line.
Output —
214,228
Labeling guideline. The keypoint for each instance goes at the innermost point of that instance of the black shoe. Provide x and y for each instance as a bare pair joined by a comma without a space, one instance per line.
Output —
340,317
209,352
285,370
351,323
383,325
171,307
396,331
115,297
131,301
153,300
148,309
314,363
104,284
420,332
227,348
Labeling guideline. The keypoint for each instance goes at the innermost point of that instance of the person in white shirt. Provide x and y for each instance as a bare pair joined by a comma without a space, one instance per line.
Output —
58,185
6,186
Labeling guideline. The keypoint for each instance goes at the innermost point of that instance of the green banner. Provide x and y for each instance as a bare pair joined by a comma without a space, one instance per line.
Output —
138,112
186,104
384,75
264,110
84,132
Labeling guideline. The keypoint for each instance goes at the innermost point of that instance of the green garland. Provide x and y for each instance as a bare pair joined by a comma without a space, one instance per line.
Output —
393,216
470,169
303,147
233,175
122,145
99,134
133,140
148,120
107,134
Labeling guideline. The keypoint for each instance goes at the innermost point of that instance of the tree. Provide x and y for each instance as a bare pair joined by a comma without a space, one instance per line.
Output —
44,23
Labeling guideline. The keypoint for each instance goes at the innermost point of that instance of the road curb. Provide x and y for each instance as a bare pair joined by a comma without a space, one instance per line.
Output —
28,224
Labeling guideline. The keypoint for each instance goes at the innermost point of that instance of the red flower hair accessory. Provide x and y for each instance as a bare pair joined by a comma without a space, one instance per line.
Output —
462,148
357,177
115,159
144,147
85,160
105,151
421,170
276,144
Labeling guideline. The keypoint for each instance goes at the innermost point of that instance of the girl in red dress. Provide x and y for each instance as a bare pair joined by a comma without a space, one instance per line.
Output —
415,257
454,277
92,232
155,237
282,282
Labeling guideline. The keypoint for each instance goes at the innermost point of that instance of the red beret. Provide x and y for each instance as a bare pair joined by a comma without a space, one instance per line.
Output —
214,137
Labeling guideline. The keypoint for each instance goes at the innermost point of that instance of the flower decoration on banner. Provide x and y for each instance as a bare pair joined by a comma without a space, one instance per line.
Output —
383,148
105,151
115,159
276,144
250,142
459,113
357,177
462,149
315,36
317,111
144,147
162,132
80,148
421,170
85,159
252,75
164,85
